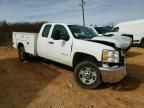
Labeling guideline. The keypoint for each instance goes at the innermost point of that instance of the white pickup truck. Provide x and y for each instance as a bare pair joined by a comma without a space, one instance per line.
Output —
94,61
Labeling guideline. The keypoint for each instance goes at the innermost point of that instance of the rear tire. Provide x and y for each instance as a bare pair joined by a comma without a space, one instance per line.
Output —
22,54
87,75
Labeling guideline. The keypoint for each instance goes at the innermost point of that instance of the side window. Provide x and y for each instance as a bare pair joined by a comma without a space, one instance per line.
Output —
116,29
62,31
46,31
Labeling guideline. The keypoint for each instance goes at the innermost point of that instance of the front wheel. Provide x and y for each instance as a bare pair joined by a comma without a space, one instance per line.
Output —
142,43
87,75
22,54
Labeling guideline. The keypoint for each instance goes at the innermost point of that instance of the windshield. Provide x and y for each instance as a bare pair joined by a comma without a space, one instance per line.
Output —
102,30
116,29
81,32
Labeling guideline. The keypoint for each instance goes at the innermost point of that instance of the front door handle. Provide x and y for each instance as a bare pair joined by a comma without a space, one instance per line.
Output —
51,42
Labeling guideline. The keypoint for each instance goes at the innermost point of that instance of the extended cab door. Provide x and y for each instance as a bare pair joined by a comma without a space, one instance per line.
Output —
59,49
42,41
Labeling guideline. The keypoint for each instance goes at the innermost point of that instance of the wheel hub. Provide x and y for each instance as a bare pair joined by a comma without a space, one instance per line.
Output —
87,75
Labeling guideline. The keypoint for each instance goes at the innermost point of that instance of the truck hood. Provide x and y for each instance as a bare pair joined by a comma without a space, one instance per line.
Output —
118,41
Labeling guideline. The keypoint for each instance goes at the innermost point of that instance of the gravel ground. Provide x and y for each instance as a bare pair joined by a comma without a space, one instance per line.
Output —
44,84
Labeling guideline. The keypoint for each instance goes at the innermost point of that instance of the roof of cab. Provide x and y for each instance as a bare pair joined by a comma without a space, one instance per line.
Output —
59,23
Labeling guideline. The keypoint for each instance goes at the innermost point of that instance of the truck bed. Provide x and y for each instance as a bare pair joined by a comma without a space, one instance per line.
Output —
29,40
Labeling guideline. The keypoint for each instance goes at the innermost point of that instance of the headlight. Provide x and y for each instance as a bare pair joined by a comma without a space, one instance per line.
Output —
110,56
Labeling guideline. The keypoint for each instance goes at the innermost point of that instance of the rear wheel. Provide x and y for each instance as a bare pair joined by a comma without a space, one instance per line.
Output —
22,54
87,75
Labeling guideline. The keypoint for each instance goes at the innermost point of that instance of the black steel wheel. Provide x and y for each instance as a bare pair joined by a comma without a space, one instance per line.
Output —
87,75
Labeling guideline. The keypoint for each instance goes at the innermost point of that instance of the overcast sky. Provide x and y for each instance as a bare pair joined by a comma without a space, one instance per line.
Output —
99,12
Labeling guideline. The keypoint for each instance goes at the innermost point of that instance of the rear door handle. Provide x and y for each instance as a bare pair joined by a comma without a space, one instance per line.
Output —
51,42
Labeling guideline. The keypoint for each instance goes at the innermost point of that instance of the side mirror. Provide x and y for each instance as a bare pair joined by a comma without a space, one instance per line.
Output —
56,35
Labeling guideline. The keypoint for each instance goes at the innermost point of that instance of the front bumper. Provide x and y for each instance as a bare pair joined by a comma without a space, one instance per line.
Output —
113,75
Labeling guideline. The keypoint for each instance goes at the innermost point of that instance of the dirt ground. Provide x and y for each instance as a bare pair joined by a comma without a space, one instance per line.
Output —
44,84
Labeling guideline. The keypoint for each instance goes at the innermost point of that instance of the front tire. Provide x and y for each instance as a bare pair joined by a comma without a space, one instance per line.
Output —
87,75
22,54
142,43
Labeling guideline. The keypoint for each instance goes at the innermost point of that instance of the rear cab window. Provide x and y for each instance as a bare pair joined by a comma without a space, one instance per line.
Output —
46,30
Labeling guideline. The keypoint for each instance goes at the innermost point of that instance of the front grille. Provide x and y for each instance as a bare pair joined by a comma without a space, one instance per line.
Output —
122,61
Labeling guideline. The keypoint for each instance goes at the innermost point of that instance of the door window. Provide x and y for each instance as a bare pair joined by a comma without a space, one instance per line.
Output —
62,31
